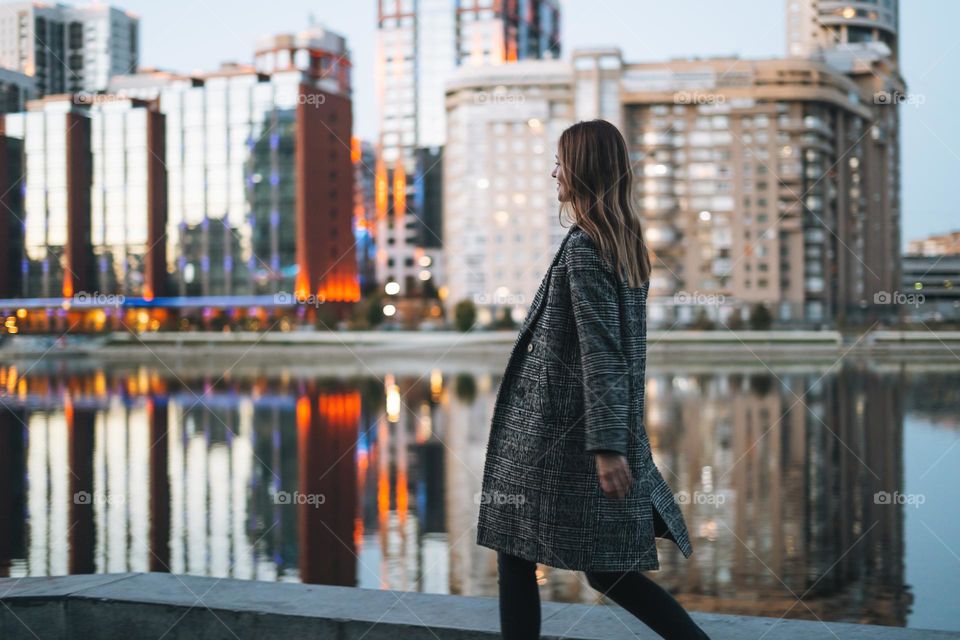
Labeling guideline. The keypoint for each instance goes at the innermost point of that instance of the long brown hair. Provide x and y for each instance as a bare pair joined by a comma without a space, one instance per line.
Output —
598,179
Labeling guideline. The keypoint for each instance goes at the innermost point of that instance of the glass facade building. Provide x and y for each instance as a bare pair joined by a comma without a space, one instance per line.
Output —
56,192
230,165
68,49
259,171
236,182
92,198
128,209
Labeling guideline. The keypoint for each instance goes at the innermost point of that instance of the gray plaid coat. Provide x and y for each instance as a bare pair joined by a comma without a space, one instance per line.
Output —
573,385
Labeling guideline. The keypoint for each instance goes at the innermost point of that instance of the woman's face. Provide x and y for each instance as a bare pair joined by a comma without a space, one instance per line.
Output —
557,173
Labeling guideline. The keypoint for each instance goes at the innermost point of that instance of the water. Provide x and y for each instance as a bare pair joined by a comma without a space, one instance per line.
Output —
811,492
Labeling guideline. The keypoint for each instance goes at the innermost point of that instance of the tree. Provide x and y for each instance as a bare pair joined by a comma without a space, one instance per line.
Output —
505,321
375,313
464,315
760,318
465,388
325,318
369,314
735,321
703,321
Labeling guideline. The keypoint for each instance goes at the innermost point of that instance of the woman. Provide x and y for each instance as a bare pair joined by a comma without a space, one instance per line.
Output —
569,480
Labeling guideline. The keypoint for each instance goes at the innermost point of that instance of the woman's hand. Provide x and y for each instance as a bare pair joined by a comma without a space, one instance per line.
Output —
614,474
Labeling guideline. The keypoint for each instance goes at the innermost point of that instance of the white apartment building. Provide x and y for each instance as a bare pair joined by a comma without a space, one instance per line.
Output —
419,45
501,215
762,183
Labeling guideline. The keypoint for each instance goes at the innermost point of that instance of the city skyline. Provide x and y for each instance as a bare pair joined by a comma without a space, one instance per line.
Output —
840,144
931,138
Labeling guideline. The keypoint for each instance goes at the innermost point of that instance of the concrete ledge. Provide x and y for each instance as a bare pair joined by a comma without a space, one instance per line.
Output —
154,605
399,348
404,339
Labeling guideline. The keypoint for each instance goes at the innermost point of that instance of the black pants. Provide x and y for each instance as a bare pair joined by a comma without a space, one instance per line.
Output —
638,594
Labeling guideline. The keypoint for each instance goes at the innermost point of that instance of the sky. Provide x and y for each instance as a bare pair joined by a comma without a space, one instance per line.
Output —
187,35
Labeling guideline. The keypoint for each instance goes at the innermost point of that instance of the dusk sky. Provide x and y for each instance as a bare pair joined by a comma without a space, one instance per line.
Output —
188,35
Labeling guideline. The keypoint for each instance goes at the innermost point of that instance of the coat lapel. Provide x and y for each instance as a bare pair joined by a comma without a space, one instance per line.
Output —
541,296
539,300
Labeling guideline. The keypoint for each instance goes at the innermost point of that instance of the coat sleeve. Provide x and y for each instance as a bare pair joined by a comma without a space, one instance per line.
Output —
596,311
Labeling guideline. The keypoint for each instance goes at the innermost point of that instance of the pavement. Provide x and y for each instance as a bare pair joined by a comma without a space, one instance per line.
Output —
177,607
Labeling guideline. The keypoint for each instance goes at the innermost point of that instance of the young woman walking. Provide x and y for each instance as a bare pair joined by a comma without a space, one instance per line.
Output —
569,480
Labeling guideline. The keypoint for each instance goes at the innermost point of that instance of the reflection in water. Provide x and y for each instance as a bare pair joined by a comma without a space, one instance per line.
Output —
372,482
787,469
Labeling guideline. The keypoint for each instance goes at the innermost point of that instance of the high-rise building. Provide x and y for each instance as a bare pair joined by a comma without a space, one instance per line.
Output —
419,45
427,195
501,224
319,53
68,49
756,179
260,173
818,26
769,183
364,212
860,40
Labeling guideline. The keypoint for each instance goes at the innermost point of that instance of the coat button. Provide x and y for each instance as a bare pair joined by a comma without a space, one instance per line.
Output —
530,347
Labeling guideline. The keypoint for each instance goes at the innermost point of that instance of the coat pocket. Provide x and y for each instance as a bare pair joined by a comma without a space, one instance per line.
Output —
544,393
627,525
